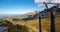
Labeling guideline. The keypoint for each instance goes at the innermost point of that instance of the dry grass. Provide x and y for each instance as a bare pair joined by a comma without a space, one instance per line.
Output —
33,25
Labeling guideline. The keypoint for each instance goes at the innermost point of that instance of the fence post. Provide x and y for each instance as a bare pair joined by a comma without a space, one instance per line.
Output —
40,27
53,20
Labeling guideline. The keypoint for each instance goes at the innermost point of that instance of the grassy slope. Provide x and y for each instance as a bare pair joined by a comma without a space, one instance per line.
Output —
45,24
33,25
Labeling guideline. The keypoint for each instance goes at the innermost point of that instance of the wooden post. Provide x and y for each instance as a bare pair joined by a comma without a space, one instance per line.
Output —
40,27
53,20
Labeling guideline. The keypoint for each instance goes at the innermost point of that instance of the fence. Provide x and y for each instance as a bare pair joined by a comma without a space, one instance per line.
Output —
53,17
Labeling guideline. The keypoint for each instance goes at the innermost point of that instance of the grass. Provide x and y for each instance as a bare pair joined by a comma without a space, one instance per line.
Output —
33,25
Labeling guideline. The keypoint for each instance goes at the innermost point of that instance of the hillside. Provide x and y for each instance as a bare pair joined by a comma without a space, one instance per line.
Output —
30,23
33,25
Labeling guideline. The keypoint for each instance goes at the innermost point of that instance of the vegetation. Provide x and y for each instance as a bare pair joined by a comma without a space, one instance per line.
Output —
16,25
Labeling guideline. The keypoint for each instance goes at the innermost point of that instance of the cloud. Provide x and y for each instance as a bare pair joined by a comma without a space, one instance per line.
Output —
49,5
39,1
55,1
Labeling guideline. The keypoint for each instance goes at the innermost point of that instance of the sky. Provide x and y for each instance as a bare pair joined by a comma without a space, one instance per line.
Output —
18,6
21,6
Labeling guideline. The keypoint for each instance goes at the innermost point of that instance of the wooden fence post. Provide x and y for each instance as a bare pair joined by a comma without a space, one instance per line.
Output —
53,20
40,27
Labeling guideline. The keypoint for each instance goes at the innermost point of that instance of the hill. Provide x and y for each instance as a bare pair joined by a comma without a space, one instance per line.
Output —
30,22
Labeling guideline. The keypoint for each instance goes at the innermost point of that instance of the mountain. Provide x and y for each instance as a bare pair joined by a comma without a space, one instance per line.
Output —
33,15
44,13
31,22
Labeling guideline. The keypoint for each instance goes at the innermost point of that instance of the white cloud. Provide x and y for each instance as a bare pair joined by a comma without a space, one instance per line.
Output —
55,1
39,1
49,5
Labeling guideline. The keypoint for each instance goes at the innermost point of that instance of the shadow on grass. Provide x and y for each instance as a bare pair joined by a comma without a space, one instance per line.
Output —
18,28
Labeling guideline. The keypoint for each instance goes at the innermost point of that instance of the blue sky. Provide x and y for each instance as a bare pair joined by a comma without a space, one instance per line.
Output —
18,6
